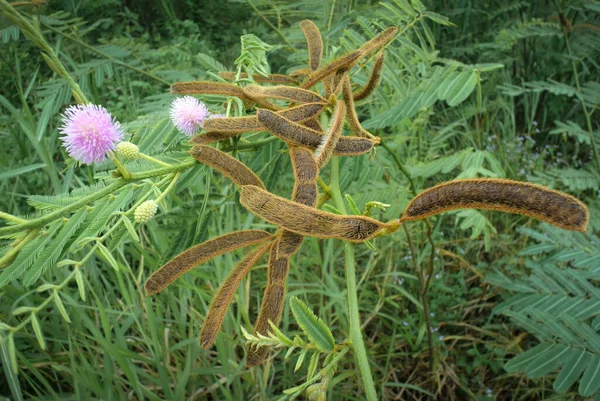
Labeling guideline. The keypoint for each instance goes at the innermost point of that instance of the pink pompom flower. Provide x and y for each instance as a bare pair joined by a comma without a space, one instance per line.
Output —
89,132
188,114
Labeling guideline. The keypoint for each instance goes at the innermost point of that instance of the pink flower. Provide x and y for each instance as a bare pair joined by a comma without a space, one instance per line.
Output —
188,114
89,132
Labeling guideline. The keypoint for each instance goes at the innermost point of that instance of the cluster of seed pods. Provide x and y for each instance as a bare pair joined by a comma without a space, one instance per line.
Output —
310,149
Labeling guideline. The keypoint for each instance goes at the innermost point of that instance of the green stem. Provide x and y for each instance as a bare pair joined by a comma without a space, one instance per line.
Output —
115,185
12,218
154,160
358,345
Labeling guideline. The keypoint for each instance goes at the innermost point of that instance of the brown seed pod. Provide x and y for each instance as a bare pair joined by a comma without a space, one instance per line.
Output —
305,220
313,123
299,135
200,254
314,41
300,73
379,41
373,81
269,79
220,302
344,63
218,88
272,303
329,142
227,165
289,243
289,93
533,200
305,172
250,123
210,137
352,118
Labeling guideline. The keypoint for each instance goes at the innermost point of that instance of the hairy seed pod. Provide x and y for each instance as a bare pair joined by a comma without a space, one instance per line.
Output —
251,123
379,41
314,41
533,200
343,63
269,79
352,118
227,165
210,137
289,244
300,73
373,81
200,254
220,302
289,93
313,123
329,142
272,303
304,220
299,135
305,173
218,88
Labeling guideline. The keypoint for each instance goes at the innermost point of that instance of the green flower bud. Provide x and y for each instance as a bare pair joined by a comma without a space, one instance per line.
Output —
145,212
128,150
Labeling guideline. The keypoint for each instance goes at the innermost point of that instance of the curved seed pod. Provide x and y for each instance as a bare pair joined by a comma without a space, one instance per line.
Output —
313,123
210,137
300,73
208,88
269,79
355,126
220,302
300,135
301,219
200,254
289,93
306,172
329,142
251,123
373,81
343,63
379,41
533,200
271,306
314,41
227,165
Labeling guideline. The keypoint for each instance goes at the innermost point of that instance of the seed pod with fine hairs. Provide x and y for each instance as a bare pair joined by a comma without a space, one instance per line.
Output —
373,81
220,302
329,142
272,303
227,165
200,254
314,41
305,173
533,200
343,63
352,118
300,135
210,137
217,88
269,79
379,41
250,123
289,93
304,220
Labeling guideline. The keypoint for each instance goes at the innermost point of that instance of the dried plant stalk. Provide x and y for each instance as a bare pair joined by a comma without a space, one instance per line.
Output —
227,165
251,123
220,302
329,142
352,118
315,43
343,63
200,254
373,81
272,303
289,93
269,79
210,137
545,204
299,135
301,219
379,41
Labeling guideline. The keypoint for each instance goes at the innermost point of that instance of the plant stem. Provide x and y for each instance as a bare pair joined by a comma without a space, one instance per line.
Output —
358,345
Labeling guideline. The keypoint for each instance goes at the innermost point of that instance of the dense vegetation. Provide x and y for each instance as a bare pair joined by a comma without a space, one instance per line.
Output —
471,304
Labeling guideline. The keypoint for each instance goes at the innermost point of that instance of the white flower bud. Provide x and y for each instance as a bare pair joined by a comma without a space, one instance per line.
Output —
145,212
128,150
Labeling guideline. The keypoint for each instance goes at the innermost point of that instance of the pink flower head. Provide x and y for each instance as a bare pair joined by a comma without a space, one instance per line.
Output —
89,132
188,114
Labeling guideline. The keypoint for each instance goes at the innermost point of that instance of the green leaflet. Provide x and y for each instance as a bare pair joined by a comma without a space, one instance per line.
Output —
28,255
314,327
573,368
51,253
